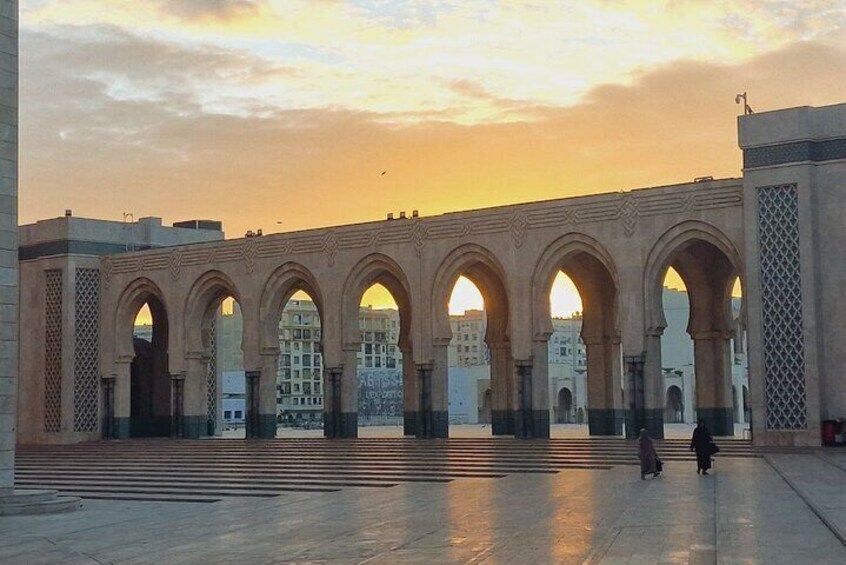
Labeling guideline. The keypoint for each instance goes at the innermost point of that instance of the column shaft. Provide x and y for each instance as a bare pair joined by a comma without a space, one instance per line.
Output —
502,390
605,414
712,367
439,379
123,400
540,389
347,426
410,393
267,396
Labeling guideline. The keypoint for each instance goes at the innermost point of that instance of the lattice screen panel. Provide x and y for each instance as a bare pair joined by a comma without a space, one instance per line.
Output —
53,350
781,297
211,397
86,351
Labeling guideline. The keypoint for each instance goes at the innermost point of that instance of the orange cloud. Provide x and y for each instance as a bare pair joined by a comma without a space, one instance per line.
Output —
91,145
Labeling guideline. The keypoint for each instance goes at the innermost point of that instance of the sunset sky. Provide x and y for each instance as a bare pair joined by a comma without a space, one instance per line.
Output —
281,115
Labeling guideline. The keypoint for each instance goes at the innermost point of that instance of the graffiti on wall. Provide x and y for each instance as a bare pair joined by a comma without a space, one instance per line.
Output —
380,396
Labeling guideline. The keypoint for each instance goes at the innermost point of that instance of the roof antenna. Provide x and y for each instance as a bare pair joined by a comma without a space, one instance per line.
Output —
747,109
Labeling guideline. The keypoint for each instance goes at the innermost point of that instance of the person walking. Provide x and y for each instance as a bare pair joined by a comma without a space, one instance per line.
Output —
650,463
703,444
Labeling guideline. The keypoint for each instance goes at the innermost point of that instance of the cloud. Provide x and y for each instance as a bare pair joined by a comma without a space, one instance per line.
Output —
159,147
217,10
391,57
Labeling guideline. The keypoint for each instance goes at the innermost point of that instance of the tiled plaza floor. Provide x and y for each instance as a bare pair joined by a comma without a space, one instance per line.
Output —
744,513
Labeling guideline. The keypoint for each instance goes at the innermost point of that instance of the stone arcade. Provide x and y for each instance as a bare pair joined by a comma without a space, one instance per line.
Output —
779,228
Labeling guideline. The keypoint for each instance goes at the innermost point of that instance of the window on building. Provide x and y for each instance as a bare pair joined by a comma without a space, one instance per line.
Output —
239,414
368,348
286,388
298,334
306,334
306,360
391,363
296,388
317,387
377,361
368,361
380,336
286,360
306,388
227,414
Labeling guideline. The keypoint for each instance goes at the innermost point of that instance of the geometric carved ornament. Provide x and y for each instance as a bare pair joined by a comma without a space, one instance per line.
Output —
53,350
781,302
86,354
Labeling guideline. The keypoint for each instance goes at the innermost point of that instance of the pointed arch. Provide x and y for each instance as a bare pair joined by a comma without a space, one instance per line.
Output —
671,243
208,290
376,269
590,267
280,286
132,298
483,268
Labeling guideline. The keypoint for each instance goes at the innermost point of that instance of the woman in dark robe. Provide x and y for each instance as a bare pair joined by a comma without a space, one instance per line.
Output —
647,455
701,443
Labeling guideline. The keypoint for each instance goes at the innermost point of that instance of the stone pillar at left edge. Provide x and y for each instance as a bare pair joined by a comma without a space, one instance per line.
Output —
8,242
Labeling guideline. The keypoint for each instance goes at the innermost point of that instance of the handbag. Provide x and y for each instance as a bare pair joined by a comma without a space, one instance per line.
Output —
659,465
713,448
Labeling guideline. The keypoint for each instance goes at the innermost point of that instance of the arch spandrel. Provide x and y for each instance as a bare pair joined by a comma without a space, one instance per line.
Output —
672,242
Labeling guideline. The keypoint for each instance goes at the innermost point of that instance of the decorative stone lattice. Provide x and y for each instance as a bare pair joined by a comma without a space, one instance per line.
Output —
211,375
781,297
86,350
53,350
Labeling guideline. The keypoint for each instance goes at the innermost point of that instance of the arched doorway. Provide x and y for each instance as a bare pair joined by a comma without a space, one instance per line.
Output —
299,376
296,387
576,308
380,381
565,406
150,384
484,328
674,412
703,268
380,361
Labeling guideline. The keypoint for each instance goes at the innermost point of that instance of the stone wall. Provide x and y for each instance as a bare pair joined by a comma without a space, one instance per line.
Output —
8,237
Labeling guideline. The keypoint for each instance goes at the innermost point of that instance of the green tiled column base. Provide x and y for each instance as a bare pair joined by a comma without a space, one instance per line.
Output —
650,418
154,427
535,426
348,425
194,427
540,424
502,422
266,426
409,423
605,422
720,421
120,429
440,424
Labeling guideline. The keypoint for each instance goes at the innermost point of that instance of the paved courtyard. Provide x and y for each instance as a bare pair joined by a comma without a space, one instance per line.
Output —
457,501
